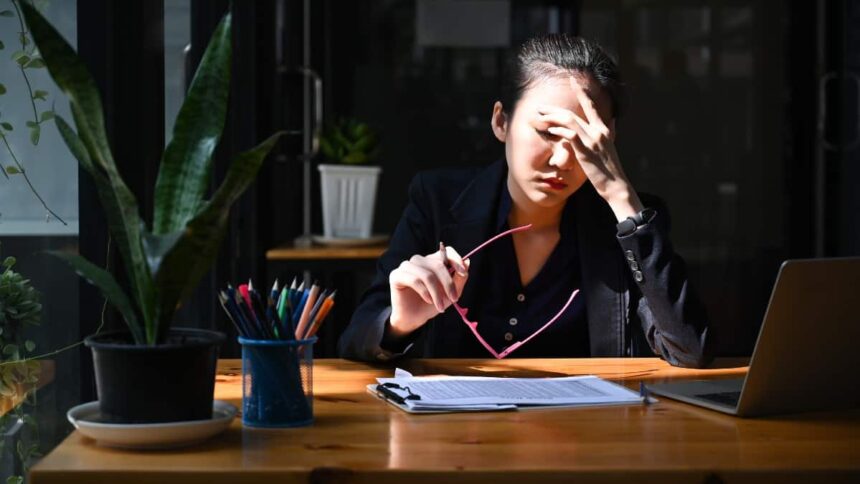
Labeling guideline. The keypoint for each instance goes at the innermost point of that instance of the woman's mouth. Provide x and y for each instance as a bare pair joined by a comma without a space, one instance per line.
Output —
554,183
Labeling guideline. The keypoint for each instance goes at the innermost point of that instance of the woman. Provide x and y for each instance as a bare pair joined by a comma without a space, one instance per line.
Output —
590,272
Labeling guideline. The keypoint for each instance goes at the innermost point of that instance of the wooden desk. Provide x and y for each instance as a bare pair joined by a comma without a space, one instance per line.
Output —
357,438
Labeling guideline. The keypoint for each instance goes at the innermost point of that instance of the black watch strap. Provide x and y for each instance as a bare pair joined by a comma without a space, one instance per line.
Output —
629,225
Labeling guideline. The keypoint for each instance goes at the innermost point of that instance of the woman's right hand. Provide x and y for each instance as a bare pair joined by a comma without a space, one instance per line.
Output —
423,287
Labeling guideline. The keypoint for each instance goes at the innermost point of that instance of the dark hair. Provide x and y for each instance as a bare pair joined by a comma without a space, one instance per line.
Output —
554,55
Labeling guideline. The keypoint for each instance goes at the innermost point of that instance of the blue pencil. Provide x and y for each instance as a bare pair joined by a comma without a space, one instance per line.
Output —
301,305
287,330
297,296
222,298
241,319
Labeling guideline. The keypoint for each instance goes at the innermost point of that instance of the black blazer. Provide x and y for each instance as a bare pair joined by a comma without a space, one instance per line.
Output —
629,314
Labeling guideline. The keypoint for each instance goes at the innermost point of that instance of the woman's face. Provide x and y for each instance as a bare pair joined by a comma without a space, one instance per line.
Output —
542,168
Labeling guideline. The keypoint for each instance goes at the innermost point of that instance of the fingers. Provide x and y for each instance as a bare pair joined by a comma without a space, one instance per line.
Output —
587,104
460,280
423,282
458,268
437,278
429,278
575,139
594,126
403,278
456,261
444,281
586,141
570,120
565,133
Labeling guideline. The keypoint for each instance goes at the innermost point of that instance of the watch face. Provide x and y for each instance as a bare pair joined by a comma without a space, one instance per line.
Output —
626,227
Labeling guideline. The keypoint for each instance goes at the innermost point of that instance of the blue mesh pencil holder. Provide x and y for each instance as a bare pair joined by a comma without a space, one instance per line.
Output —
277,382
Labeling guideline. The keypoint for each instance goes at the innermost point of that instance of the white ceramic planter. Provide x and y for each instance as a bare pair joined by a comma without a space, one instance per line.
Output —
348,200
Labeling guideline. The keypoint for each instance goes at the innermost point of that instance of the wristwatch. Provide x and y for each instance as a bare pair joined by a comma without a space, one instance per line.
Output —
629,225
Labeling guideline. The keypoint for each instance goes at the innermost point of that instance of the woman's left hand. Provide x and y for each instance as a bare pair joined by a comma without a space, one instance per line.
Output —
593,143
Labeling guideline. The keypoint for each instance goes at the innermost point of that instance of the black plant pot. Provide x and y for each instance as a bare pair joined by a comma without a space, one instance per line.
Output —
170,382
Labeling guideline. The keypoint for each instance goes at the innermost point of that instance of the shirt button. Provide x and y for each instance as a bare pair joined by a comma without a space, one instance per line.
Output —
513,321
638,276
629,255
521,297
509,336
634,266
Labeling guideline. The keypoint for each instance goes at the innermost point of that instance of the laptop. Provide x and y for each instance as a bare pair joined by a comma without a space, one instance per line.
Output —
806,357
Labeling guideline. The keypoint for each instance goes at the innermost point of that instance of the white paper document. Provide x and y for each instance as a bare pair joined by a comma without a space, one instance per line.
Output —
463,393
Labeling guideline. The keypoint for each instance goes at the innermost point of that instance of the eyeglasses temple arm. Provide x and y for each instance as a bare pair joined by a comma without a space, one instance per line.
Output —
493,239
516,345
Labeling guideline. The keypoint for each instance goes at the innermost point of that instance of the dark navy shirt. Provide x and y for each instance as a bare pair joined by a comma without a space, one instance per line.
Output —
510,312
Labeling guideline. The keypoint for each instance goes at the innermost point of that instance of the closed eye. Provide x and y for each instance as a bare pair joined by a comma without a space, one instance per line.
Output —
546,135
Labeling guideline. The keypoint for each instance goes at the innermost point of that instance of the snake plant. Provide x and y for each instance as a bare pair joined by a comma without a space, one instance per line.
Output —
164,262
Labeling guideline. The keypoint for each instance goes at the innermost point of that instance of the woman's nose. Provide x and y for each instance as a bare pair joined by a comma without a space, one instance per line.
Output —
562,156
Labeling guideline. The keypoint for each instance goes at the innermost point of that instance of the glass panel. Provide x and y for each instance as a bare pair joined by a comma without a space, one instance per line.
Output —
27,229
386,62
600,25
47,164
177,38
693,136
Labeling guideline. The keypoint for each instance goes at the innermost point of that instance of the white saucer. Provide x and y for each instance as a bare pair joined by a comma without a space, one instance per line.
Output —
349,241
86,418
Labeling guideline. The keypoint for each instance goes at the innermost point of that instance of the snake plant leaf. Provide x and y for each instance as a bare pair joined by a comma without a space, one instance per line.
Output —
76,146
192,254
183,176
120,206
111,290
156,246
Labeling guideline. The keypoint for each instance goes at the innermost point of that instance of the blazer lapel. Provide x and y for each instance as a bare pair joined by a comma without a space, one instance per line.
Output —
474,215
602,273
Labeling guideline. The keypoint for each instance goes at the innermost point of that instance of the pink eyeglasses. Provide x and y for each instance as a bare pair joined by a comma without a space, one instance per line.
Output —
473,325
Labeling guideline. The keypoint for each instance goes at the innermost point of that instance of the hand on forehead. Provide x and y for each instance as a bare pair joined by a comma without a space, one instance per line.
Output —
576,93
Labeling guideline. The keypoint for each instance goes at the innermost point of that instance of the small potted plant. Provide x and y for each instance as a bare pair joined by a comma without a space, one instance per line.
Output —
348,188
20,307
153,372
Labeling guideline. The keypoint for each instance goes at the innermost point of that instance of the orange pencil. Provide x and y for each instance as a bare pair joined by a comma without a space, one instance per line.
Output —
326,307
306,312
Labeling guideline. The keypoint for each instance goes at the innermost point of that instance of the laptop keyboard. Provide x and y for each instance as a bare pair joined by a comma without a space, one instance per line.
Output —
726,398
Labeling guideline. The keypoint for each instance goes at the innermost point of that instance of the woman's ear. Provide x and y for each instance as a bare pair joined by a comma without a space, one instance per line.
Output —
499,122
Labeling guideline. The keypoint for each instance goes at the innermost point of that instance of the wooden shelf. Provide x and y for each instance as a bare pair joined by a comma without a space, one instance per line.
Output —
290,252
